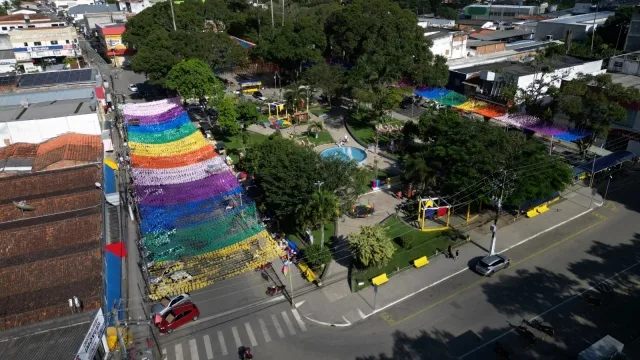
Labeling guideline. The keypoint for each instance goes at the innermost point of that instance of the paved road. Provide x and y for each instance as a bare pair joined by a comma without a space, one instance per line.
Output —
461,317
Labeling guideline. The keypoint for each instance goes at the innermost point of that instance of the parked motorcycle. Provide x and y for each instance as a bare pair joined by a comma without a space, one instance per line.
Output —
274,290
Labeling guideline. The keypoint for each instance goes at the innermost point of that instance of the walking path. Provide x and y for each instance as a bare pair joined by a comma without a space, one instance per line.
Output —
335,305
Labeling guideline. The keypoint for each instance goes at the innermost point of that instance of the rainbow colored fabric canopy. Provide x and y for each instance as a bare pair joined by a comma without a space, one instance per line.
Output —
536,125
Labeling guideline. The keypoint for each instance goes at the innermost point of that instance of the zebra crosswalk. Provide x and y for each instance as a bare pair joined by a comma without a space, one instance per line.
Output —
253,333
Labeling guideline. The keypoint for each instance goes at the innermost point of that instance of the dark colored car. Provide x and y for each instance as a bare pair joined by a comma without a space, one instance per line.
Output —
177,317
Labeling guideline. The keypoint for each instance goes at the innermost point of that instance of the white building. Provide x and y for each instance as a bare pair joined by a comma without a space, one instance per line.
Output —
580,26
66,4
35,47
78,12
625,70
90,21
427,22
499,12
12,22
448,43
134,6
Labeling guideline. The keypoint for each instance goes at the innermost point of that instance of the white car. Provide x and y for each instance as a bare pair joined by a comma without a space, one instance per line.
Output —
167,303
133,88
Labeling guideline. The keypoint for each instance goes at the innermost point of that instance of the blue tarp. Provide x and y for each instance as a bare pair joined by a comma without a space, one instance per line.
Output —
113,282
109,180
608,161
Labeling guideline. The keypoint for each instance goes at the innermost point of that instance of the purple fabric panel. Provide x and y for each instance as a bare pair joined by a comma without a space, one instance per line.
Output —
158,118
163,195
546,130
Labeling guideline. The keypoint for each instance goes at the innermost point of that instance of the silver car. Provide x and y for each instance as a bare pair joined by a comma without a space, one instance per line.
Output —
488,265
166,304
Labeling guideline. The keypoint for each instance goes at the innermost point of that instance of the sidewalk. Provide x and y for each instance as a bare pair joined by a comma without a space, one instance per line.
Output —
324,309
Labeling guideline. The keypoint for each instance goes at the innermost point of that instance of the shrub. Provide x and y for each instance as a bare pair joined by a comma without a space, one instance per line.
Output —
406,241
316,256
372,246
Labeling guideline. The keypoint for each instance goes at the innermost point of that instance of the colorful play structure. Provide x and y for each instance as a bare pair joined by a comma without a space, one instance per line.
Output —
362,211
499,113
279,117
435,211
190,204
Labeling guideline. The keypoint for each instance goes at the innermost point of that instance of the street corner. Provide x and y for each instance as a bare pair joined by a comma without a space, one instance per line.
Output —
323,315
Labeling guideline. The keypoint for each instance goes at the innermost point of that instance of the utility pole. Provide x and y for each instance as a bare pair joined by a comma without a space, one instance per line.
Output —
593,175
173,16
116,319
282,13
272,22
494,227
593,31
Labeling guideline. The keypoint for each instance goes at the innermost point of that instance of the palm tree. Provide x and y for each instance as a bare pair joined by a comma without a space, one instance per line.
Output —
322,208
315,127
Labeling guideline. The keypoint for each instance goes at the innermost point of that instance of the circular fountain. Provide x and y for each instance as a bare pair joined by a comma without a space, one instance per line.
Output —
347,153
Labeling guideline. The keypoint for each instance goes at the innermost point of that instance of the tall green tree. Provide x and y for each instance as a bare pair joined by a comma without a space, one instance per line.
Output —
193,79
614,31
322,208
372,246
329,78
247,113
227,117
592,102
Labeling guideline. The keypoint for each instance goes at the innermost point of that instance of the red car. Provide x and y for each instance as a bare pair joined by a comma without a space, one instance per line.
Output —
177,317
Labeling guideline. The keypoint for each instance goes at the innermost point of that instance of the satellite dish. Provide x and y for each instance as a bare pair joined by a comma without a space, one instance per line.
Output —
22,205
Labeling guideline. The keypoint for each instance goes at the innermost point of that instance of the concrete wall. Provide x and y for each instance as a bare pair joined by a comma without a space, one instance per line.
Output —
559,30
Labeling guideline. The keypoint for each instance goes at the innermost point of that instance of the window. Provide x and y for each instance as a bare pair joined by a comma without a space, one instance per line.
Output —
19,26
37,43
26,44
67,41
31,26
4,28
54,42
55,25
11,27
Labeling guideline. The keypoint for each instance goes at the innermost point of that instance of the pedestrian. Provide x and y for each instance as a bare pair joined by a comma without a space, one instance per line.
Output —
457,254
450,252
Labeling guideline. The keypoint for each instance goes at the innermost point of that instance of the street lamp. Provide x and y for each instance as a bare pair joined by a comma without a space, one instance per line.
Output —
607,190
318,184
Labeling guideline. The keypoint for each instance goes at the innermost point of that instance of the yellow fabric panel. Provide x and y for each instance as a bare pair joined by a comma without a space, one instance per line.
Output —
184,145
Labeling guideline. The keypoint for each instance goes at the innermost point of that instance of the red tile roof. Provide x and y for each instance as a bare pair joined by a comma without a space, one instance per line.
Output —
112,30
50,205
71,146
19,151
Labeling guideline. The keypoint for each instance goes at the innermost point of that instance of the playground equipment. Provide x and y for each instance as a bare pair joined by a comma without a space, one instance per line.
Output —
433,209
362,211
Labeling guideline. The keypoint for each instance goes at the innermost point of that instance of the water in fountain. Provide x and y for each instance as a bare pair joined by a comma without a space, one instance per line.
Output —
349,152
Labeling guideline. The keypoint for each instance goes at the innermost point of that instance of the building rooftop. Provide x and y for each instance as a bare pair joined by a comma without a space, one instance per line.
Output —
475,43
111,29
53,252
503,6
499,35
580,19
48,110
625,80
438,32
519,68
92,9
68,149
21,18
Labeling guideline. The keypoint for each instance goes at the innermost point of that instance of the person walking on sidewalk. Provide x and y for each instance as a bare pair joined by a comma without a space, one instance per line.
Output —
450,252
457,254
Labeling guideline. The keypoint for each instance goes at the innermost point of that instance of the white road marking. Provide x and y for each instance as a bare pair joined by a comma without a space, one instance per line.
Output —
288,322
548,311
265,332
236,336
164,354
299,320
223,346
252,338
179,352
207,346
194,349
277,326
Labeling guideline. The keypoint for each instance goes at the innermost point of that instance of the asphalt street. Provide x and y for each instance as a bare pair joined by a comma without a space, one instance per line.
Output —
463,316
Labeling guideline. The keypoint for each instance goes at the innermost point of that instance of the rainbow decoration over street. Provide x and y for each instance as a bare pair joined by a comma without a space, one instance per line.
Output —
192,207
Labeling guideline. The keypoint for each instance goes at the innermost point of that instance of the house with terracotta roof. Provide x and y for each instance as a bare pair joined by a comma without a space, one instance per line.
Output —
111,43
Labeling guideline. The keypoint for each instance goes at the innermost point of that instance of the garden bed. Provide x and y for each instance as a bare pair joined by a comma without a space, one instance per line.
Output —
323,138
362,126
422,243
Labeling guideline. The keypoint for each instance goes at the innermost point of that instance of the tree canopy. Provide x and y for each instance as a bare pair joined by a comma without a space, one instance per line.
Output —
372,246
464,157
193,79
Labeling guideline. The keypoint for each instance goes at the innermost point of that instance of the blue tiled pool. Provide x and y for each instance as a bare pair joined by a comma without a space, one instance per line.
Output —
345,153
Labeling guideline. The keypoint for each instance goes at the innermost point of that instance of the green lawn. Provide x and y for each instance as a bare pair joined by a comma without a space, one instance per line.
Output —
329,231
362,127
235,142
425,243
317,111
323,138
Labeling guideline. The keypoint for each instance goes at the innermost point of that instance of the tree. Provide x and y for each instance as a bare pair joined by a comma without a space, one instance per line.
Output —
315,127
247,113
322,208
448,13
317,256
592,103
227,117
614,31
328,78
16,3
295,96
372,246
382,43
417,170
193,79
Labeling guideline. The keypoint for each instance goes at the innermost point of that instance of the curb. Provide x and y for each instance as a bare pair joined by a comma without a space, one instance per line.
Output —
328,324
454,274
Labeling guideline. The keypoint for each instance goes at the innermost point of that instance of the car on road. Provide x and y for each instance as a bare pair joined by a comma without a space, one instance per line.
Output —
167,303
133,88
194,107
176,317
488,265
258,95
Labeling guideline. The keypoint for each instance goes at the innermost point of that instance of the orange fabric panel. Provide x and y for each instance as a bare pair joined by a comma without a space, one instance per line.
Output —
165,162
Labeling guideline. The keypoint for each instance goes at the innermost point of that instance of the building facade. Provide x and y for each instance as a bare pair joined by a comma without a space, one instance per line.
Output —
499,12
111,44
27,21
78,12
448,43
632,42
625,70
580,26
90,21
35,49
134,6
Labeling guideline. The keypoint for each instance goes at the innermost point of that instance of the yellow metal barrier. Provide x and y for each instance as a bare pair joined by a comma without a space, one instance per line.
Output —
420,262
380,279
306,271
